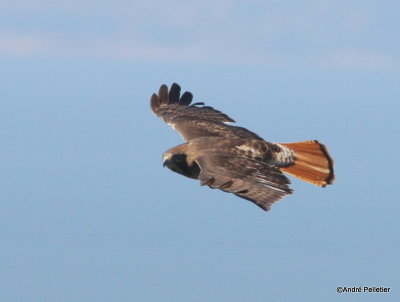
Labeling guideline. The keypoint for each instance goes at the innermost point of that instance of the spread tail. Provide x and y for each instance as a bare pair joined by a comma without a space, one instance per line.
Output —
312,163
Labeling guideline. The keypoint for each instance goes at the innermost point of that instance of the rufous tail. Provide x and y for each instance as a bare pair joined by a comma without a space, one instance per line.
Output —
312,163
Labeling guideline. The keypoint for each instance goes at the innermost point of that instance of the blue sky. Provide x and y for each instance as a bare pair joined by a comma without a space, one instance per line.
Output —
87,213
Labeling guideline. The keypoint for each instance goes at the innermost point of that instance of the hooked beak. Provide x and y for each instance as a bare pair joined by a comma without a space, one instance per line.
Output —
166,159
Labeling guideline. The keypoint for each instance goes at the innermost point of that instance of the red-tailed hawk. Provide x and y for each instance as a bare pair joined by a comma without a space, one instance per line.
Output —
234,159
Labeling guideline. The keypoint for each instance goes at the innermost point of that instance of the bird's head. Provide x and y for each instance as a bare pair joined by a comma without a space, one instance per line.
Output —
178,163
171,160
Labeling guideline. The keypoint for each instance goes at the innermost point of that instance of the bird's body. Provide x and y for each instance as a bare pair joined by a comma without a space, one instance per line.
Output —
233,158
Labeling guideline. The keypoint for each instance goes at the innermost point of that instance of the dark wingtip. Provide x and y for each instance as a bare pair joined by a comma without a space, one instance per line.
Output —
163,94
186,98
170,96
174,94
175,98
154,102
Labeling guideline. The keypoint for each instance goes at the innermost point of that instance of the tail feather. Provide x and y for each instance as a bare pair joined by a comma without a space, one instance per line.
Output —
312,163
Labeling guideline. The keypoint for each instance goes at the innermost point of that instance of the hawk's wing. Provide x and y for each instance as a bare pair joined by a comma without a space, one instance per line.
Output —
260,182
193,120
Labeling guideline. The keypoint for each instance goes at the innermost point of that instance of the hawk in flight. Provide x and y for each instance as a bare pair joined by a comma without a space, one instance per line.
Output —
234,159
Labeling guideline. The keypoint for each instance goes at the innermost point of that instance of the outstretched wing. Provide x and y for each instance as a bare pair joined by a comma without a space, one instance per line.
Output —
193,120
259,182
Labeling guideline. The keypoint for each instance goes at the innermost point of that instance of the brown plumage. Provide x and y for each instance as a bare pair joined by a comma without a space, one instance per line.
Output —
234,159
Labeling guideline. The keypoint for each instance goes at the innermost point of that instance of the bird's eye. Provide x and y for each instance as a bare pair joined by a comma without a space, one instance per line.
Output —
180,157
